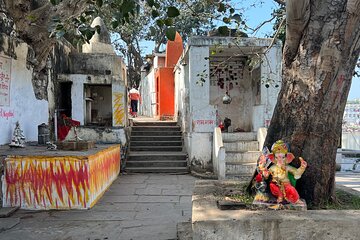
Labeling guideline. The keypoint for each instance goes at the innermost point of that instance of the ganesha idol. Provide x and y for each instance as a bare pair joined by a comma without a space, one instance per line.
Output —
281,175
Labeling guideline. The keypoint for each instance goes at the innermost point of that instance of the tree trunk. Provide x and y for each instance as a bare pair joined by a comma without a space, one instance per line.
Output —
321,49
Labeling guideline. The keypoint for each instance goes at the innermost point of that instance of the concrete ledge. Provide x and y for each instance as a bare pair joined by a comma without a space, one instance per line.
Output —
209,222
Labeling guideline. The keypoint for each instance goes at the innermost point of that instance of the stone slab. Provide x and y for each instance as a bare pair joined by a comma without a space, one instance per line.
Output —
7,211
265,224
75,146
184,231
8,223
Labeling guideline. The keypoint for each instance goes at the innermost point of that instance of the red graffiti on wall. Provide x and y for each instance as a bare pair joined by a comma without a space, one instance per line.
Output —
5,78
6,114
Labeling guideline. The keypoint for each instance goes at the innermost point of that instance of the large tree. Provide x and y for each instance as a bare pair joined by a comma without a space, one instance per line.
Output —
320,53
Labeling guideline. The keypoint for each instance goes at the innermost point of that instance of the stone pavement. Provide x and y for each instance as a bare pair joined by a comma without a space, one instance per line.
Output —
137,206
350,180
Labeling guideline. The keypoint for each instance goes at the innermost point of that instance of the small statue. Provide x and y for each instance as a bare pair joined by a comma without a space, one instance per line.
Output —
282,173
282,176
263,173
51,146
18,138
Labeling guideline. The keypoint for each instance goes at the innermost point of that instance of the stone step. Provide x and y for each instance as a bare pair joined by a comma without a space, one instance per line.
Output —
156,123
151,163
155,143
158,170
242,157
157,148
159,156
242,178
155,138
240,168
239,136
155,133
242,146
155,128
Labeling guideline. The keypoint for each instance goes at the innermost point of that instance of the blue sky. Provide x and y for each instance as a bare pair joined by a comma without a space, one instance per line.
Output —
262,13
255,16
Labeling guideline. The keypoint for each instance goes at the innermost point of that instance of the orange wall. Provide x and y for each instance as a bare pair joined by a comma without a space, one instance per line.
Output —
166,83
166,91
174,50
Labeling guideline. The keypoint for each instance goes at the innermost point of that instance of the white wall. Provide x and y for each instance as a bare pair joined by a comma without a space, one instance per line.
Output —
270,69
77,97
350,140
147,92
182,96
23,106
202,115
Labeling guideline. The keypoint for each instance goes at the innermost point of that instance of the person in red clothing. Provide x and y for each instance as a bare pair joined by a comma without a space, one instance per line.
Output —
134,96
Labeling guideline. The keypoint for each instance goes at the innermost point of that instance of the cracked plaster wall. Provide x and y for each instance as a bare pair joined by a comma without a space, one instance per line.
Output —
22,104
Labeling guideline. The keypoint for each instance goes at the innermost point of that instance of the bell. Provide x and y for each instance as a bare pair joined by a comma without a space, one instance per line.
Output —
226,99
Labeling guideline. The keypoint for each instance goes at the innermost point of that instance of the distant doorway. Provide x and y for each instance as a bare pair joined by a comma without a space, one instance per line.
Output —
64,104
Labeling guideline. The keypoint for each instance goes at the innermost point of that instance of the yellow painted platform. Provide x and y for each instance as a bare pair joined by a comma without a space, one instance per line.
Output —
56,181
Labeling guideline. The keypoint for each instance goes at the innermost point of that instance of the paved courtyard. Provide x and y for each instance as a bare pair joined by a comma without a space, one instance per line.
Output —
143,206
349,180
138,206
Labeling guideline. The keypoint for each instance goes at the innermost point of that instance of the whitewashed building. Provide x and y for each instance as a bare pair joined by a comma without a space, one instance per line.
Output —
17,98
247,69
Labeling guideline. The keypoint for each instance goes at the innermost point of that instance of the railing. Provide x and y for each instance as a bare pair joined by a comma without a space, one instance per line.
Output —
218,154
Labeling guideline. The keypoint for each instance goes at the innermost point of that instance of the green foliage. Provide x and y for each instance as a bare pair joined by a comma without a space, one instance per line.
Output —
171,33
343,201
173,12
281,29
224,30
55,2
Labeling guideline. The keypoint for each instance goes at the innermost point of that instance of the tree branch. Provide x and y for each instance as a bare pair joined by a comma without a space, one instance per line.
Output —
297,17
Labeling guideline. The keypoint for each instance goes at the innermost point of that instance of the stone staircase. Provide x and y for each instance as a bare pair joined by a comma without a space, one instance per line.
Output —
241,154
156,147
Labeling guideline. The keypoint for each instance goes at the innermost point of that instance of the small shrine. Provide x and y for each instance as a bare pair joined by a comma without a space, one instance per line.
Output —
276,179
18,138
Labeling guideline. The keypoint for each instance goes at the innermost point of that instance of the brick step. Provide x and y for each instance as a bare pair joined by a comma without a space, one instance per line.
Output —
160,156
239,136
158,170
155,143
157,123
155,133
152,163
242,146
155,128
157,148
242,157
155,138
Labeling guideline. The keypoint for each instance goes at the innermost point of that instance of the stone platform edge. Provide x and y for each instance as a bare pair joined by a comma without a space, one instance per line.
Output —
209,222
